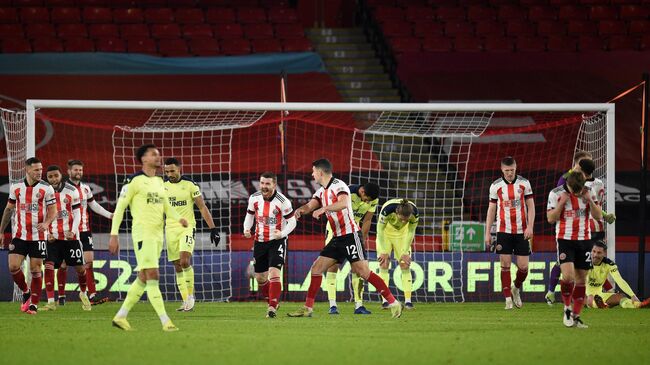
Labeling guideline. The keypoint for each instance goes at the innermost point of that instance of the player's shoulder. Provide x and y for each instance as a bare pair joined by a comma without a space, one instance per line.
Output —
280,197
496,182
608,262
390,206
134,178
522,179
43,183
558,190
339,183
354,188
188,180
69,187
255,195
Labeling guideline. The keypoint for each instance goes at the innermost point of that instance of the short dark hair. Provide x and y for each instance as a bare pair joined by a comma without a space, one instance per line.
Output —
372,190
405,208
53,168
32,160
575,181
142,150
323,164
587,166
75,162
601,244
172,161
269,175
581,155
508,161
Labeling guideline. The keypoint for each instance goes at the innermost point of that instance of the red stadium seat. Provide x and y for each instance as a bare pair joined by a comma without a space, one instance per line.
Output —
623,43
252,3
480,12
289,31
228,31
639,27
153,3
600,12
110,44
459,28
590,43
266,46
189,16
141,45
468,44
573,12
582,27
93,3
213,3
551,27
123,3
16,45
24,3
420,14
516,28
165,31
72,31
192,31
629,12
233,47
405,44
644,44
42,30
79,45
428,29
134,31
60,3
530,44
283,15
386,14
512,12
489,27
437,44
296,45
98,15
561,44
204,47
449,13
220,15
8,15
128,15
11,31
397,29
49,44
103,30
533,2
173,47
612,27
249,15
258,31
66,15
34,15
594,2
159,16
542,12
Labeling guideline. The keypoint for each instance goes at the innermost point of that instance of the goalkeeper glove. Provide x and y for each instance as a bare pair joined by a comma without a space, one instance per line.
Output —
609,217
214,236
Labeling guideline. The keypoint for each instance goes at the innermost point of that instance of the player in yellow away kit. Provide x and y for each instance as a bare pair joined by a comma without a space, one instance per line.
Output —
602,267
396,226
144,194
183,193
364,204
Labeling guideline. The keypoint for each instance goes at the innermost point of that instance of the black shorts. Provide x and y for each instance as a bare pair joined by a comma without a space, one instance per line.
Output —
33,249
348,247
508,244
269,254
578,252
597,236
86,239
69,251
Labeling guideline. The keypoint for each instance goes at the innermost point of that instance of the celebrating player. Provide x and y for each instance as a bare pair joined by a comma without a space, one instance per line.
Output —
602,267
75,174
144,194
332,200
512,197
273,214
569,208
183,193
398,219
33,203
63,247
364,203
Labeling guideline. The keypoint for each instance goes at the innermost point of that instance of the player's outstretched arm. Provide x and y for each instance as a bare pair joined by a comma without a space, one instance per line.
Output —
312,205
553,215
97,208
622,284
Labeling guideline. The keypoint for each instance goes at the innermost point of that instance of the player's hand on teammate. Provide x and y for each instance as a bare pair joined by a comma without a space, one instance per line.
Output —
247,233
298,213
276,234
183,222
214,236
113,245
318,213
41,227
69,236
528,233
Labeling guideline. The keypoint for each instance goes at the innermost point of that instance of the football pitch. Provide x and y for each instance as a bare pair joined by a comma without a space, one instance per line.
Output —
238,333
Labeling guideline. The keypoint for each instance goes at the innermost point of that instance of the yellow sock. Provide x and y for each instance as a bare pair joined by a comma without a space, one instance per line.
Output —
357,288
132,296
189,280
182,288
156,300
330,282
627,303
383,274
407,284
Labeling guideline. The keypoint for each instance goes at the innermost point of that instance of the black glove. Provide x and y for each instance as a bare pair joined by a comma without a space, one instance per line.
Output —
214,236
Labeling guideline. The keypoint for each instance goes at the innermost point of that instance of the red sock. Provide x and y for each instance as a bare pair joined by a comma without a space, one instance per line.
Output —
578,299
90,280
49,280
505,282
566,288
381,287
275,289
82,277
37,287
520,278
264,289
19,279
314,286
61,278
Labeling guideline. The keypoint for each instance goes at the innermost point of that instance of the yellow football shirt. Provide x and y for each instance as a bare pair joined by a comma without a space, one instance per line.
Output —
181,197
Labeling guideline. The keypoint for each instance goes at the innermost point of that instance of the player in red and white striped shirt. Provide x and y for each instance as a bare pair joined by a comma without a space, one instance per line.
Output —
273,214
64,248
333,201
570,207
511,200
75,174
32,203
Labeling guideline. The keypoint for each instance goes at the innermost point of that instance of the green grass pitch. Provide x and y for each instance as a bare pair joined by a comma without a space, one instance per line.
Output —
238,333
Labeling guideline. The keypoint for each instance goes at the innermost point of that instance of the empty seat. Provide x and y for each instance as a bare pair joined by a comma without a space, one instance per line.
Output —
296,45
600,12
590,43
16,45
551,27
437,44
189,16
384,14
419,14
9,15
235,46
228,31
110,44
459,28
153,3
165,31
43,30
405,44
468,44
623,43
489,27
582,27
280,15
220,15
518,28
542,12
639,27
512,12
60,3
266,45
530,44
573,12
34,15
141,45
533,2
49,44
629,12
66,15
204,47
23,3
289,31
72,31
103,30
134,31
558,43
197,31
97,15
480,12
428,29
173,47
11,31
258,31
644,44
251,15
612,27
128,15
449,13
159,16
98,3
79,45
397,29
594,2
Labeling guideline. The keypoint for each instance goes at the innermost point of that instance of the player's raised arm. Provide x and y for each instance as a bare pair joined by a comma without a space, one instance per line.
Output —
622,284
555,206
97,208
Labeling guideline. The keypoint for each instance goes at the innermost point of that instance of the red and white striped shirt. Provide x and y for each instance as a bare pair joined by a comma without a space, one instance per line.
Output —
510,198
67,200
269,214
85,197
341,222
598,187
31,208
574,220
